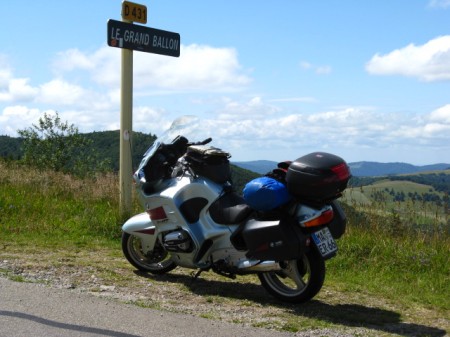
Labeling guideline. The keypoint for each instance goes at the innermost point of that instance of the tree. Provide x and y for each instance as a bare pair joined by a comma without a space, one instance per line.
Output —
56,145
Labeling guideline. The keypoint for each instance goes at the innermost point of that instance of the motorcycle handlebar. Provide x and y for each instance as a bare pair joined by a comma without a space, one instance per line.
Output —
203,142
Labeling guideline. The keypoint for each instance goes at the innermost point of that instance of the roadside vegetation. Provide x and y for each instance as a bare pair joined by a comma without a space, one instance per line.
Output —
392,266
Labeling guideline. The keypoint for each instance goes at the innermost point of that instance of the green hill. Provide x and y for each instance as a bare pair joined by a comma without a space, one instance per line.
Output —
438,180
432,186
106,143
420,200
397,190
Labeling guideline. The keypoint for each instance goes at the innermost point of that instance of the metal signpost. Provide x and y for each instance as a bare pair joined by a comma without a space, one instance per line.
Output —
128,36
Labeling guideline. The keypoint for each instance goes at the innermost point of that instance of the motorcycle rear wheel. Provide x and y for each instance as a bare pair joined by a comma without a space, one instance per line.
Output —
156,262
299,280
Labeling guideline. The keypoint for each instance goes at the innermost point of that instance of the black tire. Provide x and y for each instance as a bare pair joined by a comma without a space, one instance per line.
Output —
299,280
156,262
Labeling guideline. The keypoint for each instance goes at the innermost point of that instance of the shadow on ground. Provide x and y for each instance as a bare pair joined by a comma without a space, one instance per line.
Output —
349,315
64,326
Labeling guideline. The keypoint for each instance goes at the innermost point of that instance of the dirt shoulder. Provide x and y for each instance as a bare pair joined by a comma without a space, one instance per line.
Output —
242,301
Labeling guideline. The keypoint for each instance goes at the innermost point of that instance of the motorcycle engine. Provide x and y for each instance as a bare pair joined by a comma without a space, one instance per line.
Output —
178,241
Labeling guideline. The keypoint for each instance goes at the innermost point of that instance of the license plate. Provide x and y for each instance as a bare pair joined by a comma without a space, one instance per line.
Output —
325,242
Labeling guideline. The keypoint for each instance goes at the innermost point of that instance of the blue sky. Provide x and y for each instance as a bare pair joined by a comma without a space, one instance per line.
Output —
366,80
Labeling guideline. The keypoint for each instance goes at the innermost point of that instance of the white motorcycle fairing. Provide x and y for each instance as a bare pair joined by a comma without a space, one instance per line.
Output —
186,228
141,226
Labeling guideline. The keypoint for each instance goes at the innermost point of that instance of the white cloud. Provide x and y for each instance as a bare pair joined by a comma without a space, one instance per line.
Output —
252,109
319,70
295,99
439,3
441,115
16,90
17,117
60,92
351,130
305,65
428,62
150,120
323,70
72,59
5,77
198,68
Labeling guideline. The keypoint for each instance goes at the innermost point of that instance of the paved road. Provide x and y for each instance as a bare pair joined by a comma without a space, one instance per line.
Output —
28,309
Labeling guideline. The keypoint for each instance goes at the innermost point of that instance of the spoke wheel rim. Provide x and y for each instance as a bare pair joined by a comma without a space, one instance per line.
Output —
291,280
156,260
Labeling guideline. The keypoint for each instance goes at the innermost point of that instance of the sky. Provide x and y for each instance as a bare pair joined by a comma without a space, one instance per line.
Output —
275,80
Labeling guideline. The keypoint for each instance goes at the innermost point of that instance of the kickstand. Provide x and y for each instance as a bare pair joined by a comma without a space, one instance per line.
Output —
197,274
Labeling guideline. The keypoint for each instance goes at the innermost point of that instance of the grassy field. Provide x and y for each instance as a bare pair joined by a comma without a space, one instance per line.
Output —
382,263
415,205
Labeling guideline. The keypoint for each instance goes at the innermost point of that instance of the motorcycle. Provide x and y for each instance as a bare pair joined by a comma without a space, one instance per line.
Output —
283,228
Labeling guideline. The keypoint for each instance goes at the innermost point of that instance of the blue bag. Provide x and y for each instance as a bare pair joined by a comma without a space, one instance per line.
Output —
265,194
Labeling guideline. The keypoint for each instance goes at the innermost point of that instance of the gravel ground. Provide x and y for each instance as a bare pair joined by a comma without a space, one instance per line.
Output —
218,299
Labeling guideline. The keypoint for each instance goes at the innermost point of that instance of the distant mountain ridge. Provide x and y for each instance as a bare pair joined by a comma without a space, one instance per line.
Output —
358,169
374,169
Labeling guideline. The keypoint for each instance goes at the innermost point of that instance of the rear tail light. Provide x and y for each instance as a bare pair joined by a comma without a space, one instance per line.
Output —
341,171
157,213
324,218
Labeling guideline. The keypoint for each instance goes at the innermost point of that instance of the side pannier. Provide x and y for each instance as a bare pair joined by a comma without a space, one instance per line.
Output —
209,162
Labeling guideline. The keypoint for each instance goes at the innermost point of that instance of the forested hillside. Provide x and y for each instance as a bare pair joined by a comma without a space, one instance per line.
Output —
240,177
10,147
439,181
106,143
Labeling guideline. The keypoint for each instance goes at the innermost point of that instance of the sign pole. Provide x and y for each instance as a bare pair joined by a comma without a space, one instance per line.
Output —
128,36
126,129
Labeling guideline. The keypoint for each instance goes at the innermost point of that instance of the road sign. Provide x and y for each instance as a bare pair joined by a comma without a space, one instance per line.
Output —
141,38
134,12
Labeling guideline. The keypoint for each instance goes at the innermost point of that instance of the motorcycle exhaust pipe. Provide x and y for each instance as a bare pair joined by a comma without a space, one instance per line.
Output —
258,266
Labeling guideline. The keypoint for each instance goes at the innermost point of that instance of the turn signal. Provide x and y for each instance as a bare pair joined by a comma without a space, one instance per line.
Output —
322,219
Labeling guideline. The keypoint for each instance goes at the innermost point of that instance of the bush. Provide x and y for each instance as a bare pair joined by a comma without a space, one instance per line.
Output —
56,145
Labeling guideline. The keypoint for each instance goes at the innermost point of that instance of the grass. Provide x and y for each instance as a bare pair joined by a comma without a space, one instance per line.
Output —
382,261
402,268
399,250
49,208
378,208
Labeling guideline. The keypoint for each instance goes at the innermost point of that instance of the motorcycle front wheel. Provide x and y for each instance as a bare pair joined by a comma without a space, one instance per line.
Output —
298,281
156,262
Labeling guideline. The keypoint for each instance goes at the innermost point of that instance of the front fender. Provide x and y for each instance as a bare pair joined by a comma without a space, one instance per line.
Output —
141,226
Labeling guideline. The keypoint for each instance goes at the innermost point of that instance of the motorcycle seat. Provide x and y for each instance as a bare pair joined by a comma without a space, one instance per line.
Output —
230,209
